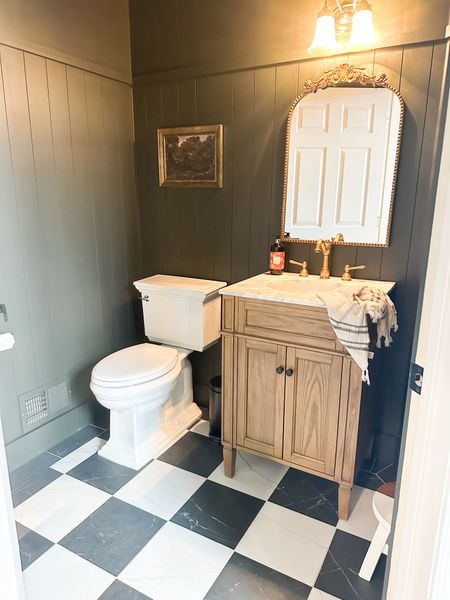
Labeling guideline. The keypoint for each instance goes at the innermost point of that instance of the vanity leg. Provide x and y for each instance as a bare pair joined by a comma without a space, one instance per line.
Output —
344,495
229,460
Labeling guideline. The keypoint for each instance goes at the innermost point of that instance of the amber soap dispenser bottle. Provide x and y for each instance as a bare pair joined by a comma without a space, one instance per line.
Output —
277,258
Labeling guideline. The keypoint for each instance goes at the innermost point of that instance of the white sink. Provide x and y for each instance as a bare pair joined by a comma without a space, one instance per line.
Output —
304,286
293,289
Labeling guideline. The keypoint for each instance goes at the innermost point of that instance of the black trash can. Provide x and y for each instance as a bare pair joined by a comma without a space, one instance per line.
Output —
215,407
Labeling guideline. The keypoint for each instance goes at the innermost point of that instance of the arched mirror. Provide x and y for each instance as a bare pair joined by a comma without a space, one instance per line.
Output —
342,149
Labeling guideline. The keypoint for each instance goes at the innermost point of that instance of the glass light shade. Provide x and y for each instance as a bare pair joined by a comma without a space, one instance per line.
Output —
324,41
363,34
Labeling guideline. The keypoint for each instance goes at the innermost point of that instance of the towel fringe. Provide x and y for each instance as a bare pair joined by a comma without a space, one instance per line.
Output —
365,376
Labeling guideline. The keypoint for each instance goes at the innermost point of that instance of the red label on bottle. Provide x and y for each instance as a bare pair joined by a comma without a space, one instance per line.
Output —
277,261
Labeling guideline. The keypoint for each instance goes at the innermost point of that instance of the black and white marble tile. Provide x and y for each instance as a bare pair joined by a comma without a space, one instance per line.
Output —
307,494
287,541
194,452
247,579
176,564
121,591
75,441
102,473
59,507
374,473
31,545
112,535
70,461
339,573
31,469
253,475
219,513
160,488
62,575
31,487
91,529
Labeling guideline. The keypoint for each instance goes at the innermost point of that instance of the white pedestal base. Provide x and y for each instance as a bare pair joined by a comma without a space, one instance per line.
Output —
140,434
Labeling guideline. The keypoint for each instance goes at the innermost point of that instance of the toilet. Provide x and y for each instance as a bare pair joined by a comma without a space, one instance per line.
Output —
148,387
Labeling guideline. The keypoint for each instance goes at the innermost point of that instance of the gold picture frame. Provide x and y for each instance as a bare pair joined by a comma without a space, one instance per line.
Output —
344,75
191,156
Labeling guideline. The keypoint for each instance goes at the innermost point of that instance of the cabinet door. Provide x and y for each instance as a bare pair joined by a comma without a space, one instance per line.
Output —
260,396
312,409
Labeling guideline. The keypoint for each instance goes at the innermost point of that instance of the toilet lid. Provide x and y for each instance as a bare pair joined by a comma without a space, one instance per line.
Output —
136,364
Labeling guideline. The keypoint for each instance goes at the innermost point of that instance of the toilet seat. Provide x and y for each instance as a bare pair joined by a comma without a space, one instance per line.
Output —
134,366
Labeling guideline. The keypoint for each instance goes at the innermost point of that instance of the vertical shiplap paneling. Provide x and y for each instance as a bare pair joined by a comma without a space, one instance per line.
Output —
420,232
190,237
12,285
155,239
243,106
52,237
262,162
169,239
414,84
27,243
71,306
121,307
87,247
68,208
203,230
223,198
130,206
286,78
100,196
426,187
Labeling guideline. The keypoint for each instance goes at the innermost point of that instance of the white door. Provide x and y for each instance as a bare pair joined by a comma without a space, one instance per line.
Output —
338,168
420,562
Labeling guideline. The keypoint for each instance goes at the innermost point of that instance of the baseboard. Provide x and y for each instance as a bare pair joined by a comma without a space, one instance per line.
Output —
23,449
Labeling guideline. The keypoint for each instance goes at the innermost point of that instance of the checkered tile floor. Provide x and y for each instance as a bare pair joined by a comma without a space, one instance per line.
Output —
179,529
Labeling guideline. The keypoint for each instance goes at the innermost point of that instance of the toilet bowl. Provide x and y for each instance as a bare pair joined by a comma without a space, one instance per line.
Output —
148,390
148,387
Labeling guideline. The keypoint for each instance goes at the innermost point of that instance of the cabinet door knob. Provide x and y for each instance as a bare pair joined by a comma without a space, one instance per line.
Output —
289,372
279,370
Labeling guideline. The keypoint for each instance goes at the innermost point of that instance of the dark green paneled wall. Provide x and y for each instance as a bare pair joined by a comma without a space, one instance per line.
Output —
69,236
208,37
225,234
94,36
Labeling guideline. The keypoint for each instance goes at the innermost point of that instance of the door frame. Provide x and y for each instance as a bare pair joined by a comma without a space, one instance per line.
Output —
11,577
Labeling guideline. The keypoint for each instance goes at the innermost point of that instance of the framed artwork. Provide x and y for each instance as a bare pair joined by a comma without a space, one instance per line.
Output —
191,156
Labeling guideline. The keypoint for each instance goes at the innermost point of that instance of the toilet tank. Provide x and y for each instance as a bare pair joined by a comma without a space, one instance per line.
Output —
181,311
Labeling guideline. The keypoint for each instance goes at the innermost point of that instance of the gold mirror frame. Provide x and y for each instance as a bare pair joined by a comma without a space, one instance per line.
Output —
345,75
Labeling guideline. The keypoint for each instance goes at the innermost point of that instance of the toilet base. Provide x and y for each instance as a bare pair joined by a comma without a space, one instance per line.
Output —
140,434
137,457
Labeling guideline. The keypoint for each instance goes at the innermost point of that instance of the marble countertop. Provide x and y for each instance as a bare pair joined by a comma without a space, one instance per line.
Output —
293,289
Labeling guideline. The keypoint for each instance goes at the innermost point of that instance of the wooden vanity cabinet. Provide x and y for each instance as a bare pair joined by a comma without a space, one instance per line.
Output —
290,391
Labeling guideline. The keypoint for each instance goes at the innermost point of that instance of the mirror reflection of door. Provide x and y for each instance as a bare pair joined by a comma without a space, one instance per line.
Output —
342,155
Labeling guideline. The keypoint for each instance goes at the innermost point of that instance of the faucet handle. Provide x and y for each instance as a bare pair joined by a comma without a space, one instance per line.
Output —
346,274
304,271
338,238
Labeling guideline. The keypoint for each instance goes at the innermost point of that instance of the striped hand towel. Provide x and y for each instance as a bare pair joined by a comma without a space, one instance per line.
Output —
348,309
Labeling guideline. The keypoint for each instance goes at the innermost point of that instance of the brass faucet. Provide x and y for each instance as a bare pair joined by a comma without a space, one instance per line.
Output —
325,246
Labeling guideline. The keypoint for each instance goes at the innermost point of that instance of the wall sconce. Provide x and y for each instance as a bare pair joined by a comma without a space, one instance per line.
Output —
348,28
